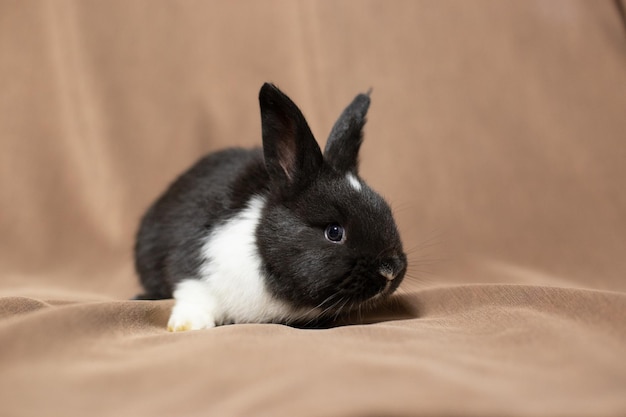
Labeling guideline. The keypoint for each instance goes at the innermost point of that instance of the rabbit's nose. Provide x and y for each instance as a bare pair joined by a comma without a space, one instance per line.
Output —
387,273
390,268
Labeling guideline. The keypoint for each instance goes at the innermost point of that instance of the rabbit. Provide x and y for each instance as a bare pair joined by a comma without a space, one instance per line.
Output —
278,234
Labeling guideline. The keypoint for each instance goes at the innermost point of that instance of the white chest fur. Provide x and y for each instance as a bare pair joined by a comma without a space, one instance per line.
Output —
232,285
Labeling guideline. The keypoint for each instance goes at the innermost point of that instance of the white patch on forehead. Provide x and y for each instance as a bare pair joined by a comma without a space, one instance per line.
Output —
354,182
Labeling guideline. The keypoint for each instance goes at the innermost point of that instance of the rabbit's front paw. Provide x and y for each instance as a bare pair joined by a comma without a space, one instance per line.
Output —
194,307
189,317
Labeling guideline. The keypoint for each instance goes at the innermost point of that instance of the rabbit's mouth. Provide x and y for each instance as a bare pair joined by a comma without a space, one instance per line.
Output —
372,280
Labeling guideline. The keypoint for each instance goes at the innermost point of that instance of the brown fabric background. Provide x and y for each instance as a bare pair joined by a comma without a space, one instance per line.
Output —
497,131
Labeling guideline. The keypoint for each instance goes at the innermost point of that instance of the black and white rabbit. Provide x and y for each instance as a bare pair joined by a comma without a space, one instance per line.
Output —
278,234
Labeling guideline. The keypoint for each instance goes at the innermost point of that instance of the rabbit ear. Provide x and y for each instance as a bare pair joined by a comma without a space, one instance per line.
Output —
292,156
344,141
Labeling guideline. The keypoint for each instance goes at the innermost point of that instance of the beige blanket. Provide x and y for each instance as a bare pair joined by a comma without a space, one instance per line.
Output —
497,131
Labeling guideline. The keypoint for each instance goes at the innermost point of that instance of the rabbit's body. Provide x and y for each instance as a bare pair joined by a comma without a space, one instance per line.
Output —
175,229
210,258
281,234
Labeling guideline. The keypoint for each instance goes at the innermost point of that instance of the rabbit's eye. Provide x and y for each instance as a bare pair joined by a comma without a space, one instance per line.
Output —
335,233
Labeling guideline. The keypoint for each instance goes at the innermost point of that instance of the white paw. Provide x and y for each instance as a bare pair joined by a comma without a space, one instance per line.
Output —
187,316
194,308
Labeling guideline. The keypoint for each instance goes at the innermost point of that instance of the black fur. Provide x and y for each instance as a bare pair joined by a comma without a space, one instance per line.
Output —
304,192
344,141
